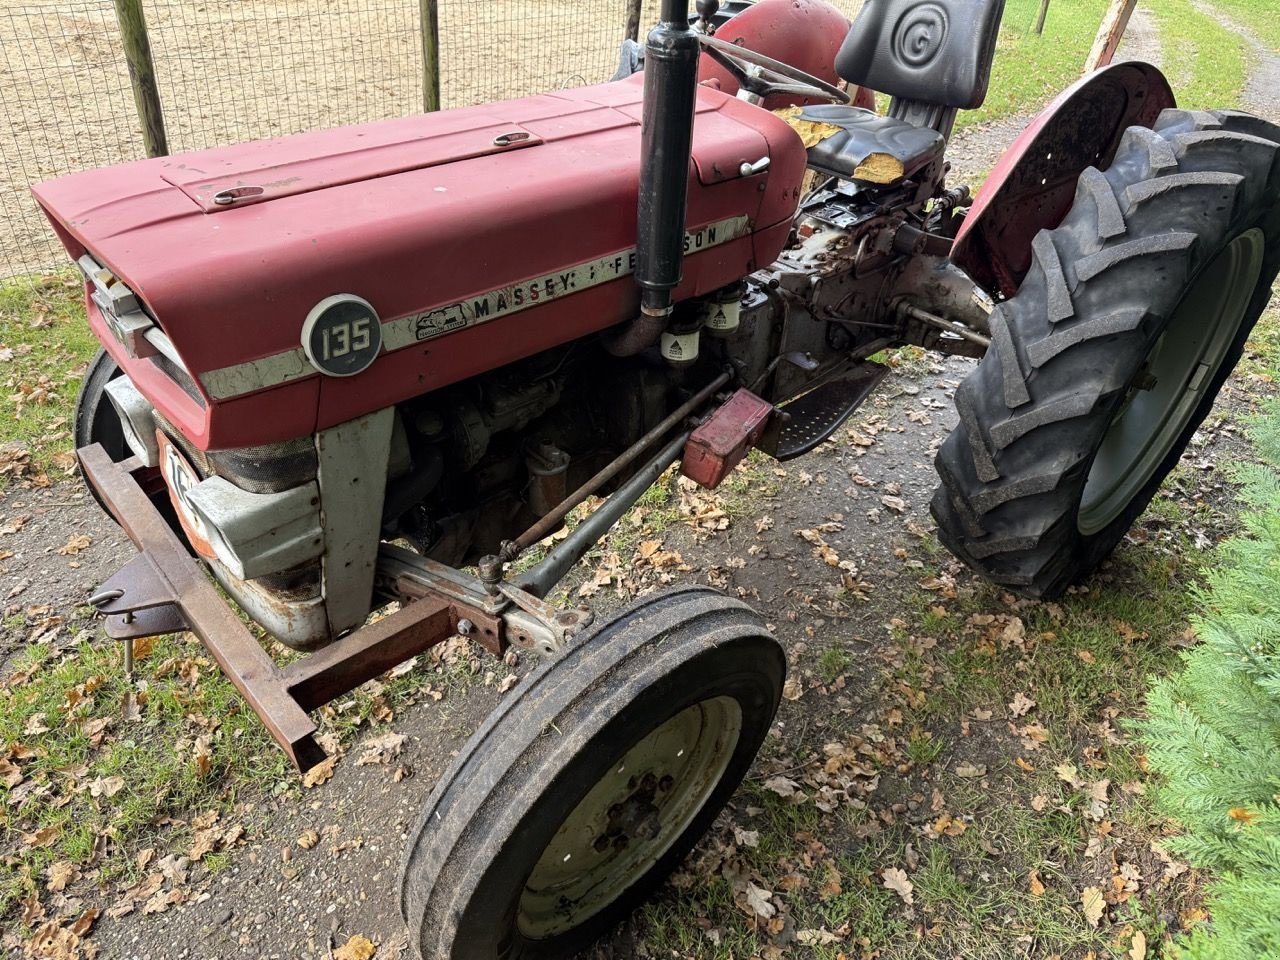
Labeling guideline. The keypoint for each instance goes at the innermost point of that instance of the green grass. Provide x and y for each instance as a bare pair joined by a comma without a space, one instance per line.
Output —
45,344
1205,62
1030,69
1260,17
78,693
832,663
75,692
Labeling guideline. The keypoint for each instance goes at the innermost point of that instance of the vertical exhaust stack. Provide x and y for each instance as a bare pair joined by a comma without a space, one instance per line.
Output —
670,91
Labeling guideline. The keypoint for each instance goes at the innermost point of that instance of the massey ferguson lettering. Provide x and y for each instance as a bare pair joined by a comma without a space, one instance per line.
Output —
562,283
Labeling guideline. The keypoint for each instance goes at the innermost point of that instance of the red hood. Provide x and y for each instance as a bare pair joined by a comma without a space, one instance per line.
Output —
410,214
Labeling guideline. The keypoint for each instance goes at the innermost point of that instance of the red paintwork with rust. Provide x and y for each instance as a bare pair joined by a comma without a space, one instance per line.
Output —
416,213
809,31
720,443
1033,185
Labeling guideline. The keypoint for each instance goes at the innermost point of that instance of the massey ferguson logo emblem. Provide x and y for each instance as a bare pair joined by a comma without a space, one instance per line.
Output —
436,322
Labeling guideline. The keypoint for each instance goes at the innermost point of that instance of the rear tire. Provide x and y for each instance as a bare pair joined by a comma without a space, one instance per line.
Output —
572,803
1105,362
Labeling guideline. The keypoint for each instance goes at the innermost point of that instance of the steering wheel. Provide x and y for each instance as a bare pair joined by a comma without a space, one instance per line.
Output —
765,77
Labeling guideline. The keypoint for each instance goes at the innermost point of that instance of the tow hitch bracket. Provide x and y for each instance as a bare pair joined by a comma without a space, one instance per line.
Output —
164,590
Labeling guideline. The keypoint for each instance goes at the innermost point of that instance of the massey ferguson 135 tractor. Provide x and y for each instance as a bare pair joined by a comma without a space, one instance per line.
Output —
340,367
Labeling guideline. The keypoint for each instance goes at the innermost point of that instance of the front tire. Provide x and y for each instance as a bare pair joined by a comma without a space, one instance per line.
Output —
592,782
1110,355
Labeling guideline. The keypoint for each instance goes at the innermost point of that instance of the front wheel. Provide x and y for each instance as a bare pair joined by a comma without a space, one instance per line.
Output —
1105,362
591,784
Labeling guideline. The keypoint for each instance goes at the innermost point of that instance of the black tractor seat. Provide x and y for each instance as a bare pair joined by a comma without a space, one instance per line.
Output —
858,144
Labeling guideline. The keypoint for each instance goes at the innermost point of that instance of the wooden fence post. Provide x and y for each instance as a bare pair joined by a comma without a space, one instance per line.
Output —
430,26
1044,11
142,75
1110,33
633,19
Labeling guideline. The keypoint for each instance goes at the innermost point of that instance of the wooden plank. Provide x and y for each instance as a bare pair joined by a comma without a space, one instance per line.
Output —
429,23
142,75
1110,33
633,19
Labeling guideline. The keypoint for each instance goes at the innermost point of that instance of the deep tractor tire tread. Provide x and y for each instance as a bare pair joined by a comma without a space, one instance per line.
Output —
482,801
1067,346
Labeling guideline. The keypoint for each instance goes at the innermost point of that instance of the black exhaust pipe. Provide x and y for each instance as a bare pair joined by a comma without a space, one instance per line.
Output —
666,141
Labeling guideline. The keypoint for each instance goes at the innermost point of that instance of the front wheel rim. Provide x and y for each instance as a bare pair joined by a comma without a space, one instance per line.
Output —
630,818
1181,369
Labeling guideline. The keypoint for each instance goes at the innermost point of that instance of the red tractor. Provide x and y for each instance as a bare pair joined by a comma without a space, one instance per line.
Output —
340,367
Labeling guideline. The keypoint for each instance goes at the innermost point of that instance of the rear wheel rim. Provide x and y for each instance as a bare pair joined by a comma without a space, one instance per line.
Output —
630,818
1178,373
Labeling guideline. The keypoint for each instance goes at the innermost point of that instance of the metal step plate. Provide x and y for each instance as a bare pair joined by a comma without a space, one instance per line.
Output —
819,413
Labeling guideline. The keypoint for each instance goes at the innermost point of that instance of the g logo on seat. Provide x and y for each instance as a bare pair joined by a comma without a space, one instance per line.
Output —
920,34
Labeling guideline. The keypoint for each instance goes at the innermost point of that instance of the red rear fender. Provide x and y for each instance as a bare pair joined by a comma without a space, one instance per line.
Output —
1032,186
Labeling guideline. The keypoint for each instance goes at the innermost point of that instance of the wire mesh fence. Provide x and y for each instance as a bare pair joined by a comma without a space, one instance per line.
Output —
234,70
67,105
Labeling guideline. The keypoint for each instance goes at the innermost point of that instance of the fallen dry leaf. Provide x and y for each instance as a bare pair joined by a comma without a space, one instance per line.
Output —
308,839
814,938
12,525
1067,772
1138,948
205,842
1092,905
1034,884
74,545
1098,799
782,786
106,786
85,921
896,880
1020,705
760,902
41,838
320,773
10,773
357,948
60,874
382,748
